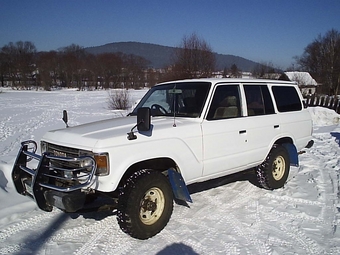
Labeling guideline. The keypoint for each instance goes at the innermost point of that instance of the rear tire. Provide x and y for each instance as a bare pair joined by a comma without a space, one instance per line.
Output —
274,171
145,204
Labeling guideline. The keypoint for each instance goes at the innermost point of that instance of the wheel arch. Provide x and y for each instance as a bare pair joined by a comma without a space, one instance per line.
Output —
158,164
288,144
169,168
284,140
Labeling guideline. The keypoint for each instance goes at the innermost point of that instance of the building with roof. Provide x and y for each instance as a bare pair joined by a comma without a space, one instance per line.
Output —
305,81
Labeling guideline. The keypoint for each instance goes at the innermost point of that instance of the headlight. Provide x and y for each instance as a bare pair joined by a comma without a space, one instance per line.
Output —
102,161
86,163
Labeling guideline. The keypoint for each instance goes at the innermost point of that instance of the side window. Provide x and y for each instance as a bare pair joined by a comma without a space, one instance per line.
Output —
259,101
225,103
287,98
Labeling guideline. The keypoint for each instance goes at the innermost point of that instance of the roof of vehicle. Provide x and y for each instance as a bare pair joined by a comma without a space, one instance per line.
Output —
231,80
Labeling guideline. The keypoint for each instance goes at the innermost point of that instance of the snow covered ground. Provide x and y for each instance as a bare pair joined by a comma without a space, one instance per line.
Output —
228,216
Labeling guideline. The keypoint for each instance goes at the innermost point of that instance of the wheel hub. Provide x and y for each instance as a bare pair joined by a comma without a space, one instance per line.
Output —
149,205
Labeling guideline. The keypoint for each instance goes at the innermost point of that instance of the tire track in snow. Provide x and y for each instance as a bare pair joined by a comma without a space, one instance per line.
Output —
231,217
26,224
101,229
24,131
5,131
31,224
11,249
89,236
292,200
292,234
250,234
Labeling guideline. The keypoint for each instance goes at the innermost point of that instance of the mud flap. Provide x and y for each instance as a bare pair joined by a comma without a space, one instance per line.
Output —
293,155
178,185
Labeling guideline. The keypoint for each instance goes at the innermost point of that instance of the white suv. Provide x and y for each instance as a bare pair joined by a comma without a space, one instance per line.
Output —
181,132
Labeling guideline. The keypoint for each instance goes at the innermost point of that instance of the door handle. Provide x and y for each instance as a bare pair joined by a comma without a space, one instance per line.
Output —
242,131
276,126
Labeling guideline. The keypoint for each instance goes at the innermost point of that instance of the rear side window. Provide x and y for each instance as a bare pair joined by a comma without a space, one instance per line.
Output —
259,101
287,98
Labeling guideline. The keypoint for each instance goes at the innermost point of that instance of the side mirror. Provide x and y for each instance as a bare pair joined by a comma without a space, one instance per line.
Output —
143,122
143,119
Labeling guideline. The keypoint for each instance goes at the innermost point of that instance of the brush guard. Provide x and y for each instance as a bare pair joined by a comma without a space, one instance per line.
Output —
51,185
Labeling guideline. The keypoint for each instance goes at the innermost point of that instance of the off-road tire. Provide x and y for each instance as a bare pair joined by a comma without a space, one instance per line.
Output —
273,172
145,204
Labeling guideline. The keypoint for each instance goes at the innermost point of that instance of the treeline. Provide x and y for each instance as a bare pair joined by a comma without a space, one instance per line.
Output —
22,67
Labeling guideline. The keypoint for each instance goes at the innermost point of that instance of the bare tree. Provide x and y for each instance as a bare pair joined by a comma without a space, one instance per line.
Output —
47,63
110,66
133,73
322,59
119,99
4,67
265,70
71,65
19,59
193,59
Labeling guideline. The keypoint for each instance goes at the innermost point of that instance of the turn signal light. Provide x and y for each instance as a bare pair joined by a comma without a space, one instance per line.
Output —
102,161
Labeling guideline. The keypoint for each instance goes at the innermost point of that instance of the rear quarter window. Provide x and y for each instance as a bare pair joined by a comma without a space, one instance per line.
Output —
287,98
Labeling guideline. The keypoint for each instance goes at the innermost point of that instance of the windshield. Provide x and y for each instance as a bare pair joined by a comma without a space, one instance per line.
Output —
184,99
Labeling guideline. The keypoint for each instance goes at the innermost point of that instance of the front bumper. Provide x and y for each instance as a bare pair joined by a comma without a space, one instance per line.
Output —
51,185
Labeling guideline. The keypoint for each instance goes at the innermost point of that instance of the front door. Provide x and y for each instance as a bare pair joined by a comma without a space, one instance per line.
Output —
224,132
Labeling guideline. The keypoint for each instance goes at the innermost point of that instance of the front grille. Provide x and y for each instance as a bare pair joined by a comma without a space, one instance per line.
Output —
66,152
63,151
67,167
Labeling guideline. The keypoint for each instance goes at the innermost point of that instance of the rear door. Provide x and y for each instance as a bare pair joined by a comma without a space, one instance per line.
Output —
263,124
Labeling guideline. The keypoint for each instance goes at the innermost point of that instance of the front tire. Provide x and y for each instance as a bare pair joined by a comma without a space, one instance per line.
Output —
145,204
273,172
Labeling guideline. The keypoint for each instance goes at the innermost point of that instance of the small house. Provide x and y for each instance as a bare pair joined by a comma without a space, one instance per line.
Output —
304,80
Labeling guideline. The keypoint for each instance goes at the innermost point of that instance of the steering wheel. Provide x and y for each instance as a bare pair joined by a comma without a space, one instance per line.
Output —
159,108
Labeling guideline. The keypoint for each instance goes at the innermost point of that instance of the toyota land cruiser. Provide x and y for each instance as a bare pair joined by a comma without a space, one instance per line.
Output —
181,132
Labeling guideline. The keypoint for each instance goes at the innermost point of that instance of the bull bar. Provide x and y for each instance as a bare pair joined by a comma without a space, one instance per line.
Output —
40,183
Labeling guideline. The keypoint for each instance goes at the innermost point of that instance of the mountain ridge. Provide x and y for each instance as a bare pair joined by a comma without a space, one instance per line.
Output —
160,56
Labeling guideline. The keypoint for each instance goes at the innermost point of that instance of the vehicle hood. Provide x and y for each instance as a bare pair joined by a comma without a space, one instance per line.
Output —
100,135
86,136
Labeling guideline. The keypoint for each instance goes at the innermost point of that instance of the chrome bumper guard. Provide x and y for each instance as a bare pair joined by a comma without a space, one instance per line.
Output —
40,183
